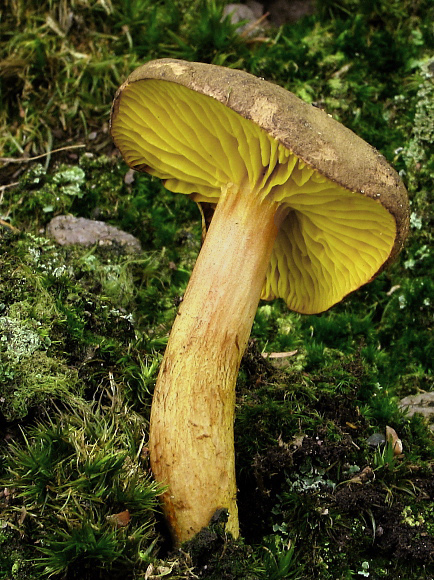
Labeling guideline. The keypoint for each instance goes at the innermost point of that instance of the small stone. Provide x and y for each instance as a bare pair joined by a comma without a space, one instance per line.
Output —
68,230
129,176
243,13
376,440
422,403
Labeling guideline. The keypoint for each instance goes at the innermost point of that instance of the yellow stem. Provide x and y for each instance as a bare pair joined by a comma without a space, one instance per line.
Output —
191,433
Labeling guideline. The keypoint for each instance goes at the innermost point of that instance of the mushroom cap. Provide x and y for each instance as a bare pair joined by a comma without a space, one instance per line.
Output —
342,197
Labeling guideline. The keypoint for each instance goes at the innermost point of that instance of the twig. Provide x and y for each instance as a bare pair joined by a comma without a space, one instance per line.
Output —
28,159
252,25
7,225
3,187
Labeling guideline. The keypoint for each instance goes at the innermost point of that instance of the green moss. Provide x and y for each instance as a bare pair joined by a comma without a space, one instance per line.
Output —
38,381
411,350
14,556
72,476
419,149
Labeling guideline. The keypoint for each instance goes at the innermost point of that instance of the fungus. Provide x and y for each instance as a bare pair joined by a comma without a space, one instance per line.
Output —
305,211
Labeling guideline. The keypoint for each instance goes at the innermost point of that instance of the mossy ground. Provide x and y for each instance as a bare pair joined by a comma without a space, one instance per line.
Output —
83,329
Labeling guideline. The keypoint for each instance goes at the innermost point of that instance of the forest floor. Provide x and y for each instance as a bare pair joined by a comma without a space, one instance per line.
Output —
83,328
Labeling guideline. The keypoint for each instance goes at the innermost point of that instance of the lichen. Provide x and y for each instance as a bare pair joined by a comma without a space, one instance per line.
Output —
18,340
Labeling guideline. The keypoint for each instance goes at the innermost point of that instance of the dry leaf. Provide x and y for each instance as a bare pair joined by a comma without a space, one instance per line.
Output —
279,354
392,437
120,520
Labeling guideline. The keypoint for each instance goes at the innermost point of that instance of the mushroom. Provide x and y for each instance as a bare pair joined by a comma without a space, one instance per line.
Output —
305,211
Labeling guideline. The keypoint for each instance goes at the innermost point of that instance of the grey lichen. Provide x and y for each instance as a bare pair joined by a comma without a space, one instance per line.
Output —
18,339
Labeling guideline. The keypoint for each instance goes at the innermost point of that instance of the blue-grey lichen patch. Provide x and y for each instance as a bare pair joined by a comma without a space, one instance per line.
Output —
17,338
70,179
66,183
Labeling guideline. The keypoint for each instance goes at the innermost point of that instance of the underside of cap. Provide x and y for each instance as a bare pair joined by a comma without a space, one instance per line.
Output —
332,240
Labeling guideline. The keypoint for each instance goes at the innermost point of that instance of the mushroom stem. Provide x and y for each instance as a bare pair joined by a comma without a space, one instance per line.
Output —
191,432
